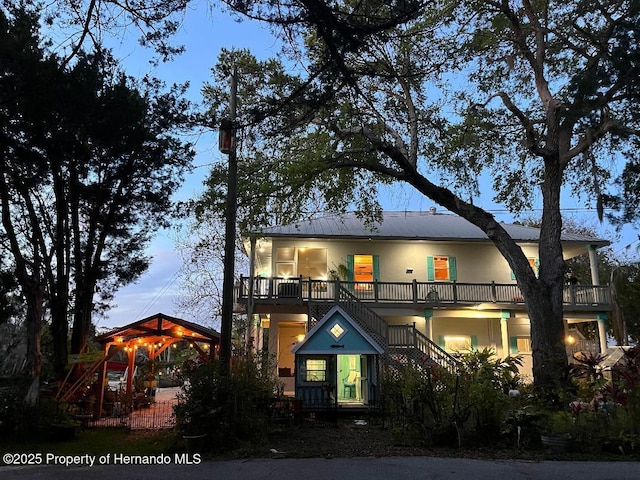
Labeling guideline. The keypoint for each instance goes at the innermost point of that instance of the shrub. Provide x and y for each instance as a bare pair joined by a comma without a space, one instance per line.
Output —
14,415
228,409
47,419
435,407
419,404
487,381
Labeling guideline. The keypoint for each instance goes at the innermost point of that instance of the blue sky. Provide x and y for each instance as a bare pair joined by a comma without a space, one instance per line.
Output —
205,33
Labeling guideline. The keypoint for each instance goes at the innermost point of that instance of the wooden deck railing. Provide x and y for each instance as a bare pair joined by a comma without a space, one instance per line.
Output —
297,290
403,336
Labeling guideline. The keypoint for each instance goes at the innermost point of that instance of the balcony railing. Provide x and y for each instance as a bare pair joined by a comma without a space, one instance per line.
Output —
298,290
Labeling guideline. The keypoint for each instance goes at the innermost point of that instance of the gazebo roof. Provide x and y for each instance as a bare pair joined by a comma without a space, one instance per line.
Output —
158,326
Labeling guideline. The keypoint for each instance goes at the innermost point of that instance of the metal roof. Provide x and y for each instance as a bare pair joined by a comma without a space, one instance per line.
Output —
408,225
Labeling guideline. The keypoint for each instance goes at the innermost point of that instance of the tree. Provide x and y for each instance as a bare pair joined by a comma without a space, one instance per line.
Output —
622,270
89,164
84,24
626,205
544,94
627,288
200,244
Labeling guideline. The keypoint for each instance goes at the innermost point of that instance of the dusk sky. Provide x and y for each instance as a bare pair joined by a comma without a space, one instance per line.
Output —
204,34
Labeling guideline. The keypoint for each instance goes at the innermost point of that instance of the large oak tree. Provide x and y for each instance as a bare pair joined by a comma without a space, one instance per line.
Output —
541,96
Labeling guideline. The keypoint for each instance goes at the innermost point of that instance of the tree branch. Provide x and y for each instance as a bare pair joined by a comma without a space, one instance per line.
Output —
525,121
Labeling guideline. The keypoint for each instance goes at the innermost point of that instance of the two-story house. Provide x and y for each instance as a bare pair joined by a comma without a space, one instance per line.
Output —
335,300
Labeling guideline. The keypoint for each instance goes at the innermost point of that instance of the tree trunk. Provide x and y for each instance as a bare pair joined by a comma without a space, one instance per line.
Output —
60,335
59,283
33,322
547,338
543,295
82,319
550,361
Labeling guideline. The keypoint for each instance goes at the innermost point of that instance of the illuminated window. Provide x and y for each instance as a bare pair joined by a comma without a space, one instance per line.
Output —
285,254
337,331
316,370
441,268
285,269
363,268
520,344
312,263
457,343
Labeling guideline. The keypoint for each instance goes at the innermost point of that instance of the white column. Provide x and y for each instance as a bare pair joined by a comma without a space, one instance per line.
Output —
593,263
602,331
251,321
428,317
504,332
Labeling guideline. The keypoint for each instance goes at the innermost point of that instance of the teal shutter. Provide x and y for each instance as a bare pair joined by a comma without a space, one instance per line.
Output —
350,268
537,264
431,271
474,342
376,268
513,275
453,270
513,344
441,341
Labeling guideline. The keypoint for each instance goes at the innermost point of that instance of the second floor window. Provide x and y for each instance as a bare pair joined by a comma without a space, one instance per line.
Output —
534,263
363,268
441,268
312,263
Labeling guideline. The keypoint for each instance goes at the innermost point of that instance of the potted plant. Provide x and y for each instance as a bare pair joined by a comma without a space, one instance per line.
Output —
558,435
150,381
339,272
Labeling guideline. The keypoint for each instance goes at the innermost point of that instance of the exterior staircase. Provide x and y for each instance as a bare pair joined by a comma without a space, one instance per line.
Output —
404,345
411,347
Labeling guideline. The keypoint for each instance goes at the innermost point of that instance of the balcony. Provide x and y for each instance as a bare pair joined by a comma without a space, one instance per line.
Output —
276,291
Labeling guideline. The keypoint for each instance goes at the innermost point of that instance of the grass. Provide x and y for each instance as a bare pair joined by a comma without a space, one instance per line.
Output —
317,439
99,441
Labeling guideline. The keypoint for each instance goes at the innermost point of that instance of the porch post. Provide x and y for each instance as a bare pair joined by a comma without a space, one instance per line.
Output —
131,358
593,264
428,317
602,331
251,327
504,332
97,414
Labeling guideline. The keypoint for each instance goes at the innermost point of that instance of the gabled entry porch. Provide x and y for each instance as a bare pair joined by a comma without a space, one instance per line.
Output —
337,365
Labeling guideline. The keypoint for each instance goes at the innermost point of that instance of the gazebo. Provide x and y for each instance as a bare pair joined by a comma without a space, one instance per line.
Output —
155,333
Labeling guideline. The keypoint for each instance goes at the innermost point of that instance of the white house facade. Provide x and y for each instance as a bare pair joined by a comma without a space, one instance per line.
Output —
420,286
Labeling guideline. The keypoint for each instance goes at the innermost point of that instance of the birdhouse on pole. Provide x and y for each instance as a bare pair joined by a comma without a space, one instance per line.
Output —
227,136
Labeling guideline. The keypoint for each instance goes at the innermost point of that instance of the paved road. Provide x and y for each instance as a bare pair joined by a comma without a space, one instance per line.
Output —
394,468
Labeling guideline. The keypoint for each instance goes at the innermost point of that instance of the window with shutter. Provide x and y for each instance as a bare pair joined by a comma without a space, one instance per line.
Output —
441,268
535,266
